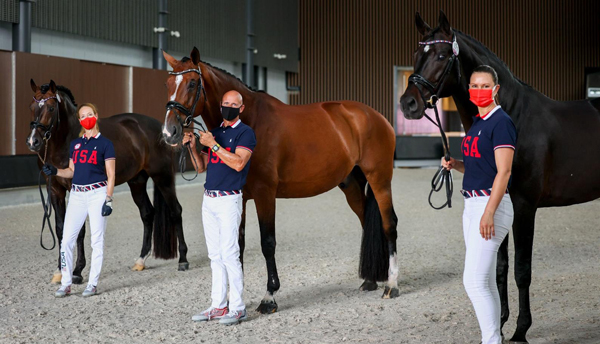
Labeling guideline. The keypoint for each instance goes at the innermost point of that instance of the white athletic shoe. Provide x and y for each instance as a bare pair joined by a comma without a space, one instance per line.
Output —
209,314
90,290
63,291
234,317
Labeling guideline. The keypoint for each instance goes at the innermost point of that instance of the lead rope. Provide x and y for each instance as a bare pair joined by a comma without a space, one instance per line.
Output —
46,203
182,160
442,176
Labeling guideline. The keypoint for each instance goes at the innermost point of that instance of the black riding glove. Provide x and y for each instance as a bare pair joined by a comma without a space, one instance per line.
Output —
107,208
49,170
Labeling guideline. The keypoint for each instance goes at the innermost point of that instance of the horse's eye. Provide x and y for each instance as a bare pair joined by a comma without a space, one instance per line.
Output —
51,109
441,57
192,84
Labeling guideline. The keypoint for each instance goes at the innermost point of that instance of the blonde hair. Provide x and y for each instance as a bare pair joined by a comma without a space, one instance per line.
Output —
94,109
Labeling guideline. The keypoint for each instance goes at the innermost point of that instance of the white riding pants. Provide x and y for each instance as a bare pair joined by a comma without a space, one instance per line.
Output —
221,217
82,204
479,276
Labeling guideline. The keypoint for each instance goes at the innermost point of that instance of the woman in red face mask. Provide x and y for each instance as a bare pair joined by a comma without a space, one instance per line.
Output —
488,150
92,168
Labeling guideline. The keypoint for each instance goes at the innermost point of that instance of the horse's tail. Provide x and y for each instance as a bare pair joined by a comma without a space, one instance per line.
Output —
165,231
374,255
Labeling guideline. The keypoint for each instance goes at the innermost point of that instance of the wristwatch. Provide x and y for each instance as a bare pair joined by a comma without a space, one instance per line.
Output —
215,148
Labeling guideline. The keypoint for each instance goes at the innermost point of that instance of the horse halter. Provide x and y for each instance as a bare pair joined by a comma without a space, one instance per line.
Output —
433,88
179,107
55,118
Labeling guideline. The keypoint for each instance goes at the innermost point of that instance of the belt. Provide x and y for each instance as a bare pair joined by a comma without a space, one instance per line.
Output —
216,193
89,187
477,193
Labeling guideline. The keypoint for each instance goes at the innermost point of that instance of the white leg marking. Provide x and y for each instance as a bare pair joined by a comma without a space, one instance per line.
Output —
269,297
393,271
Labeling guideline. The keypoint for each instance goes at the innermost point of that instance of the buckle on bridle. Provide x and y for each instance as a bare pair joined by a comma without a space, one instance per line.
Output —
188,121
432,101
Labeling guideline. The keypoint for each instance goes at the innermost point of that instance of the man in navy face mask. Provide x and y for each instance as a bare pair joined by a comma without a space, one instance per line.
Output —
226,160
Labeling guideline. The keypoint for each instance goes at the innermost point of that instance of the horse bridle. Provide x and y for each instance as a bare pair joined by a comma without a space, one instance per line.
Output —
55,118
442,175
46,203
174,105
433,88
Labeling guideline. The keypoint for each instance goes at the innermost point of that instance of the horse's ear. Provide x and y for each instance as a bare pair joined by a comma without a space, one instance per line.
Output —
170,59
195,55
52,86
34,87
422,26
443,24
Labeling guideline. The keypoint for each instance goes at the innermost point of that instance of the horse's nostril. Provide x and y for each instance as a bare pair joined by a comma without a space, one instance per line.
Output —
36,142
412,105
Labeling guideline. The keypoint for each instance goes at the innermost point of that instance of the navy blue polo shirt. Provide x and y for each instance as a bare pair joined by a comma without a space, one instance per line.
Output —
88,156
219,176
488,133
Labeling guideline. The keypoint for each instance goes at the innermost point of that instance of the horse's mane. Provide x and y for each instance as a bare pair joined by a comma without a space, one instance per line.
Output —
481,45
45,87
185,59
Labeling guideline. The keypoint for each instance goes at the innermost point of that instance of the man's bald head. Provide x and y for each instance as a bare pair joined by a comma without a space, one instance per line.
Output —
233,99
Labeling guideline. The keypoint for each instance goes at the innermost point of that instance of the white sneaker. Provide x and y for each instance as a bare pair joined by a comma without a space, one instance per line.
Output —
63,291
209,314
90,290
234,317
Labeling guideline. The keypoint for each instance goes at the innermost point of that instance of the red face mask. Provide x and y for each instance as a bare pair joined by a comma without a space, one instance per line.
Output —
481,97
88,123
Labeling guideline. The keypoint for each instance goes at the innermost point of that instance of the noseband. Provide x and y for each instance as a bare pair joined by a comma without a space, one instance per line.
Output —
174,105
55,118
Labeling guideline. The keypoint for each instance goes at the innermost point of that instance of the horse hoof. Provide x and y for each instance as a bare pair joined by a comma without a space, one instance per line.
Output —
267,307
183,266
518,339
138,267
390,293
77,280
56,278
368,286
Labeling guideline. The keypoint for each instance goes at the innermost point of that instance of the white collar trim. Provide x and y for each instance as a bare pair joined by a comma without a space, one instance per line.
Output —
491,112
234,124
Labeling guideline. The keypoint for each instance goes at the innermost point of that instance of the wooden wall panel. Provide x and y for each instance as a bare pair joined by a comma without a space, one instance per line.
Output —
6,114
104,85
349,47
149,92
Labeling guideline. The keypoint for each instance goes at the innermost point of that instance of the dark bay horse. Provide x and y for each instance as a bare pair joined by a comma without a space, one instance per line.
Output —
550,167
301,151
141,154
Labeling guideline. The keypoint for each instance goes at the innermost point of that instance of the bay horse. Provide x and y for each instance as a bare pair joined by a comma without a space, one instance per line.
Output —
140,153
301,151
549,169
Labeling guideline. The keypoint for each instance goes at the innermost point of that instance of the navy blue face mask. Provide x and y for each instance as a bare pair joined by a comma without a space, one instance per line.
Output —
229,113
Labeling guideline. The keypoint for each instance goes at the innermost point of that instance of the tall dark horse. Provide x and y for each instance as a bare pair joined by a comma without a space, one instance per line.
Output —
141,154
301,151
550,169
